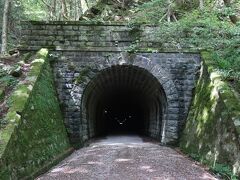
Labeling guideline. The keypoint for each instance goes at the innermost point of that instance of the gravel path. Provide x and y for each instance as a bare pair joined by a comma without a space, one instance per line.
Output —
126,158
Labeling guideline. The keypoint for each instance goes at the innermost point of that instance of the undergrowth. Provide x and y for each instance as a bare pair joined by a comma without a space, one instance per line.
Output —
198,30
221,170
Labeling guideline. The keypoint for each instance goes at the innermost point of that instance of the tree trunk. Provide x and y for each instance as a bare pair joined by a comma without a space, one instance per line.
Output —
54,7
64,10
234,19
201,4
80,12
77,10
5,26
169,11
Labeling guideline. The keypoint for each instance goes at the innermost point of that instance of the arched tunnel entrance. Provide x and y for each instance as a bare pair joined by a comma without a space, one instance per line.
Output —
124,99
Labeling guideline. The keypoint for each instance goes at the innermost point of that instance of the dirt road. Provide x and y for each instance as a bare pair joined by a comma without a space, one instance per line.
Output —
126,158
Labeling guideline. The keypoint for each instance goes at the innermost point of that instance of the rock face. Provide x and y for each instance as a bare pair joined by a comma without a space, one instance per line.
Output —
212,132
94,60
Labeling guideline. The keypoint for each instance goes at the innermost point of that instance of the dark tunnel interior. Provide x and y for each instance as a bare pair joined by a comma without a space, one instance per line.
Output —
123,112
124,99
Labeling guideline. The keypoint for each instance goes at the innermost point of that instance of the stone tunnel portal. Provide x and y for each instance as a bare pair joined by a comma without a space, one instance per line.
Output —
152,91
124,99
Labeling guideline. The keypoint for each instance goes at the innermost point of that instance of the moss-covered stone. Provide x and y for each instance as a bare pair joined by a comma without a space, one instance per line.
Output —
212,128
35,134
83,75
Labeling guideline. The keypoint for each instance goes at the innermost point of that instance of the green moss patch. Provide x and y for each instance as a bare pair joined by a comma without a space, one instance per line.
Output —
35,134
212,129
83,75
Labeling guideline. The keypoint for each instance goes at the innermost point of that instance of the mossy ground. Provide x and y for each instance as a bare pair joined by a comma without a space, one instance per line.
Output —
7,84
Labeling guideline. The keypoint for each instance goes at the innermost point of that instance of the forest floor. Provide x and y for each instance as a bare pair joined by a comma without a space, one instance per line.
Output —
12,72
127,157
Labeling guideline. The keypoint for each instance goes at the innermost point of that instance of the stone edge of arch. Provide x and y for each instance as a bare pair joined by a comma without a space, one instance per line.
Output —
163,77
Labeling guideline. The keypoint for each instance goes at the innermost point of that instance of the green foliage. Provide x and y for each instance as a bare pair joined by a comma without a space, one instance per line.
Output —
150,12
196,29
224,171
155,11
203,30
7,83
83,75
133,48
33,9
7,80
22,10
200,31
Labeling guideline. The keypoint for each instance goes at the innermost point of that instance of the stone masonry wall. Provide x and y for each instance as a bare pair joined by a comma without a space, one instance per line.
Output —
212,131
78,36
82,50
34,137
177,70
